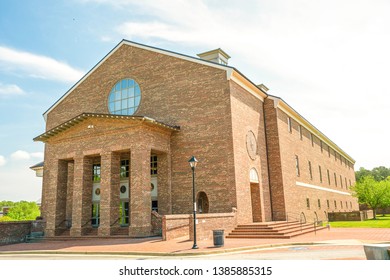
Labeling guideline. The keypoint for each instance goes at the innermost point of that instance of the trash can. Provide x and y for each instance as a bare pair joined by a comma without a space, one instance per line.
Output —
218,236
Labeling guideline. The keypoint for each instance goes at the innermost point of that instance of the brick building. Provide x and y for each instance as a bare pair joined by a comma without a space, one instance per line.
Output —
117,146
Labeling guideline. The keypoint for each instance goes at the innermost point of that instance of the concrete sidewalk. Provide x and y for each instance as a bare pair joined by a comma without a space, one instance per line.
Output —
180,247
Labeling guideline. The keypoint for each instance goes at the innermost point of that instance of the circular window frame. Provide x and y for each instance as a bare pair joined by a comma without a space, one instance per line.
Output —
122,90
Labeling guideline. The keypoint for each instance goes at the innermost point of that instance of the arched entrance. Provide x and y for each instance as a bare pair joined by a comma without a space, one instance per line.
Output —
203,203
255,195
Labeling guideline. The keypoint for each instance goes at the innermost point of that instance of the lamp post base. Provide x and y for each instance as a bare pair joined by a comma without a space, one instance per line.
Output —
195,246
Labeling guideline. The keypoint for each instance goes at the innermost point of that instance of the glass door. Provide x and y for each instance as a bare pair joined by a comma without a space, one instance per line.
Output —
95,219
124,213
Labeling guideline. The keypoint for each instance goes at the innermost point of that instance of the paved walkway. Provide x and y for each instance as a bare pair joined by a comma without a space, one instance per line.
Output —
157,247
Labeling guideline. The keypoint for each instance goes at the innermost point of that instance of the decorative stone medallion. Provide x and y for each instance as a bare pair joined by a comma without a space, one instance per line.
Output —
251,144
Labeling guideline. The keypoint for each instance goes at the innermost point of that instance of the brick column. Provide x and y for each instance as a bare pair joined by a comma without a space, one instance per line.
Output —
109,196
82,195
140,193
55,185
164,184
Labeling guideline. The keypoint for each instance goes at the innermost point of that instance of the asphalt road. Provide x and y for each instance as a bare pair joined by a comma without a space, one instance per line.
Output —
315,252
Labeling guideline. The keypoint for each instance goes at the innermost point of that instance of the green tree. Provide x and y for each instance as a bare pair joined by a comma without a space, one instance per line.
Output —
373,193
24,210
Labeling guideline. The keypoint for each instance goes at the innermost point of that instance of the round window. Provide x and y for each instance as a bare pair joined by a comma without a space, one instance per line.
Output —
124,97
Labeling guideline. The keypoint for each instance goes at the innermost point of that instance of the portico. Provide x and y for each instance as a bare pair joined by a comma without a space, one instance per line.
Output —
108,172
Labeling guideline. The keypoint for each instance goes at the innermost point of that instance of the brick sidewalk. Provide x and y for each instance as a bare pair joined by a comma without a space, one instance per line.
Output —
155,246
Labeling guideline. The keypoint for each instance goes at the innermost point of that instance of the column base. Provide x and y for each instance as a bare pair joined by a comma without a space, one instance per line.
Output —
104,231
50,232
144,231
75,232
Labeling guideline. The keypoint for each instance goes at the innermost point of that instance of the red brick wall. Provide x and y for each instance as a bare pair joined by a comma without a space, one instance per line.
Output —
247,115
291,145
15,232
182,226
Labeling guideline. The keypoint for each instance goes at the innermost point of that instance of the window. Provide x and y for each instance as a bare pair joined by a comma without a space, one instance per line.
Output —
96,173
335,179
312,139
346,205
289,124
350,184
341,181
341,204
335,155
124,97
300,131
320,171
327,203
310,171
153,165
319,204
335,204
308,203
321,146
346,185
297,165
328,151
124,169
327,171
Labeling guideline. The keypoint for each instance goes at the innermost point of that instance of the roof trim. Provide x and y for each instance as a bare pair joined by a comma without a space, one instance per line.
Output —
80,118
281,104
144,47
37,166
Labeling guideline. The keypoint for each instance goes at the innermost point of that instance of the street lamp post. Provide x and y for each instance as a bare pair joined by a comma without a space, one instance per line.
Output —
193,161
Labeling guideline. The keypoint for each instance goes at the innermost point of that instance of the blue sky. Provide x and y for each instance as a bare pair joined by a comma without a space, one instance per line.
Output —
329,60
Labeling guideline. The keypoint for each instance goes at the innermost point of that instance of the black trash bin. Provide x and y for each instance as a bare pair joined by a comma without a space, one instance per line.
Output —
218,236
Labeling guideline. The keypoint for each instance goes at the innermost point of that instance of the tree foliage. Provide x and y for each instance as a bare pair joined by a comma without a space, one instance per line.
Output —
375,194
378,173
21,211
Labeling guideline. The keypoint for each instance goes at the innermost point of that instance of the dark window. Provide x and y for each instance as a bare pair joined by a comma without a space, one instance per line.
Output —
153,165
125,168
308,203
297,165
96,173
320,171
310,171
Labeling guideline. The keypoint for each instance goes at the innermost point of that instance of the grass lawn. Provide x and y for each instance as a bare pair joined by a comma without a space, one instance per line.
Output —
380,222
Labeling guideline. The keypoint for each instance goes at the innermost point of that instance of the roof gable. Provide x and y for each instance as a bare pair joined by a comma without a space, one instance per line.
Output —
226,68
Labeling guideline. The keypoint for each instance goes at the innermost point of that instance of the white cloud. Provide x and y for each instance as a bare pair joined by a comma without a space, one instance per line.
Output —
2,160
37,66
10,90
23,155
20,155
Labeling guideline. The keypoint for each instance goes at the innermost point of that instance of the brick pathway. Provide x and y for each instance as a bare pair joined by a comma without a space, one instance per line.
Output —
155,246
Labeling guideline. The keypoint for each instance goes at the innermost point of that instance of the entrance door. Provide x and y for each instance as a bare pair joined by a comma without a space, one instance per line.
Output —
124,213
95,219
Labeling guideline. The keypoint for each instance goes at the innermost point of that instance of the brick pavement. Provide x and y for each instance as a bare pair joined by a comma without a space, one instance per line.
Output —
155,246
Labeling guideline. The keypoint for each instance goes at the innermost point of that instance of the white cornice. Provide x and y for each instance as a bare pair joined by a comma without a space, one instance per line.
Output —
287,109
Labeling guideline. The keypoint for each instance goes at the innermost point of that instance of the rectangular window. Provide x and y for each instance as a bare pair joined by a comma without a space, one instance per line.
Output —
335,156
289,124
312,139
321,147
328,151
319,204
346,205
96,173
124,173
341,204
307,203
341,181
297,165
327,171
327,203
335,179
346,185
350,184
320,171
300,132
335,204
310,171
153,165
